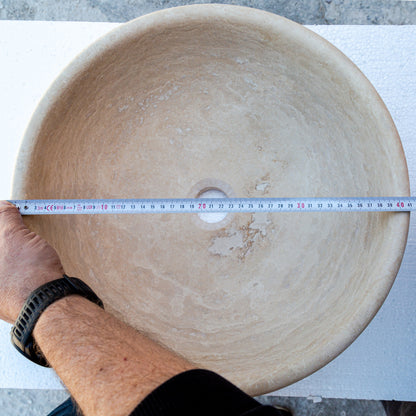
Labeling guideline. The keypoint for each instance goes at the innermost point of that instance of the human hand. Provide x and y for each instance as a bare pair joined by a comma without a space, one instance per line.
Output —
26,262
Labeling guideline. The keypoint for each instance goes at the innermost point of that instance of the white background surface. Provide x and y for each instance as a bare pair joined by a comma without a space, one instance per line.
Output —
381,364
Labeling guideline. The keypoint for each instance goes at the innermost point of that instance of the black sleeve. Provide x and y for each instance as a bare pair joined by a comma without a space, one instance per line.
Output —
202,393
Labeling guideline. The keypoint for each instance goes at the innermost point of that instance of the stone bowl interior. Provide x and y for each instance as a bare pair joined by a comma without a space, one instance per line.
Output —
235,99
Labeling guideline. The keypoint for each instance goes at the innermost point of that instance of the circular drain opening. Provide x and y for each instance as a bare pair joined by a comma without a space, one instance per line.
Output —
212,188
212,217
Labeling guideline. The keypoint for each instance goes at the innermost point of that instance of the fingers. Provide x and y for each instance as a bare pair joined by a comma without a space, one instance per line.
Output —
6,204
9,215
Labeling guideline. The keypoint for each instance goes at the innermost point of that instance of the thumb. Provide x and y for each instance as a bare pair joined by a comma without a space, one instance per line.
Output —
9,216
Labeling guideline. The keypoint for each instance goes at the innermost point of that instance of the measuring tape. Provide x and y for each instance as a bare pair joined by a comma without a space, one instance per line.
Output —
211,205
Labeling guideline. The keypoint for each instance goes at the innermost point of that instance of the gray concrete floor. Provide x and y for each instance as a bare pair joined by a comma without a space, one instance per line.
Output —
15,402
336,12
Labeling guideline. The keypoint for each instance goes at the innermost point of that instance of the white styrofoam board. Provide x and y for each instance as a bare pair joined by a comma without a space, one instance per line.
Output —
381,364
32,54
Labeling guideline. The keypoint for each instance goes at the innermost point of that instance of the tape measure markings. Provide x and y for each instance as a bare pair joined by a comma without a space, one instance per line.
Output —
211,205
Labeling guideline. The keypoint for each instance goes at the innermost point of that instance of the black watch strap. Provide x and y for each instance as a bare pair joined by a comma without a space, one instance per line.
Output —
37,302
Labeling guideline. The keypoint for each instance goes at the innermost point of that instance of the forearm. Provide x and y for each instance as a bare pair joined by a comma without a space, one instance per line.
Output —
107,366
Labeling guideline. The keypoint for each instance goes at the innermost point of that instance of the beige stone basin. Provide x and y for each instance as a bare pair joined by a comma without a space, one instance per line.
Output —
252,104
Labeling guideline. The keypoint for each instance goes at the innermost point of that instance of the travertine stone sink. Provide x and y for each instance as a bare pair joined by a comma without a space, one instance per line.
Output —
251,104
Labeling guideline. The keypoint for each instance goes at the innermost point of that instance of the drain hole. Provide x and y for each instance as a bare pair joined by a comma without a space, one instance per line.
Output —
212,217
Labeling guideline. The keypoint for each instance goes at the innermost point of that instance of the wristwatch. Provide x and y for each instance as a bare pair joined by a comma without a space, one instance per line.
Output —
37,302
